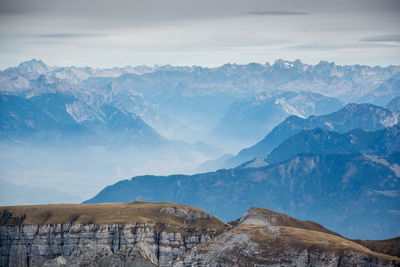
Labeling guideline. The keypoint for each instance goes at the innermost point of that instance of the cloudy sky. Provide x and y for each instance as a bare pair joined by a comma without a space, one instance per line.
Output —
105,33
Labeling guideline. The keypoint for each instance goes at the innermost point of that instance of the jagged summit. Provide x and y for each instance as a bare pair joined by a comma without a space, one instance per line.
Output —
365,116
34,66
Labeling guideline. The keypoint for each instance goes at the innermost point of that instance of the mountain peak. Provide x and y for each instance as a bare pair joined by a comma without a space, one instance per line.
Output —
282,64
34,66
353,107
265,217
326,63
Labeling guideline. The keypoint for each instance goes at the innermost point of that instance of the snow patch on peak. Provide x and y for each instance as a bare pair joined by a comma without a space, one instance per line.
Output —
387,193
81,112
34,66
394,167
288,108
389,121
329,125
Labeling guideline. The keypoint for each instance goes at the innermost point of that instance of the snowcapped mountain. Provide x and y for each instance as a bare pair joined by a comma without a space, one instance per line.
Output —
347,83
58,117
33,66
365,116
197,98
260,114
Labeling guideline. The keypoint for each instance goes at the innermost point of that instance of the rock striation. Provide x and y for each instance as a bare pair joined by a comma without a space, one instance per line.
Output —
157,234
266,238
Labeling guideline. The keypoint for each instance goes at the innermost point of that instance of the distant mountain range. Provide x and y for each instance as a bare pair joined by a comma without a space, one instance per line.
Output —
364,116
250,119
59,117
384,92
187,102
381,142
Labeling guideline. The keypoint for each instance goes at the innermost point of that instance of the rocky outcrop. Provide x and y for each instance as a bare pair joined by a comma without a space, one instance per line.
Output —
266,238
162,233
32,245
265,217
100,255
282,246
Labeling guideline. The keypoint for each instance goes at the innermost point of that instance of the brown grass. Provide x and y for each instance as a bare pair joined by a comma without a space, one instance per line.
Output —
285,220
111,213
302,238
388,246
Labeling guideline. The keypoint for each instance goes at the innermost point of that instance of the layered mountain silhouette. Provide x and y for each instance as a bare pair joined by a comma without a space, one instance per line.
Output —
195,99
309,186
364,116
59,117
250,119
380,142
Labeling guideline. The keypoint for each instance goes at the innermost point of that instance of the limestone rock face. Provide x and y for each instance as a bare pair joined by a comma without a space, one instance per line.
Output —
99,255
281,246
112,234
60,244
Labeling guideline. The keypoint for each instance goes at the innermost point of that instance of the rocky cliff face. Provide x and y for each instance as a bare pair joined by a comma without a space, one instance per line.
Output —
281,246
32,245
266,238
146,242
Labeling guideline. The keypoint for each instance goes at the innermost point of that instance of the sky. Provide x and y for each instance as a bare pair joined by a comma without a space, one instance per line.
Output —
104,33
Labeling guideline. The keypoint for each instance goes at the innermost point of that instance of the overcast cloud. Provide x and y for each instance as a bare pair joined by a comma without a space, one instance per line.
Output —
103,33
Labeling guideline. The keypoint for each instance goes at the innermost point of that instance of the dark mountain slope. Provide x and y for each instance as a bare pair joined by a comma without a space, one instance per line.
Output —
365,116
258,115
60,117
380,142
19,117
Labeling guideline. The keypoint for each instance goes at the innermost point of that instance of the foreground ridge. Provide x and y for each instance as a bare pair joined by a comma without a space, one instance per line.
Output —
166,234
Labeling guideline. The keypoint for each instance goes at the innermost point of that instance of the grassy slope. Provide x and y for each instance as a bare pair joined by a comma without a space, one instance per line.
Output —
297,239
388,246
280,219
109,213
